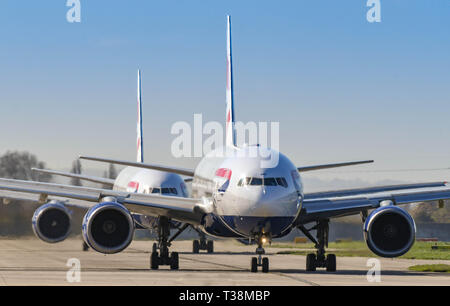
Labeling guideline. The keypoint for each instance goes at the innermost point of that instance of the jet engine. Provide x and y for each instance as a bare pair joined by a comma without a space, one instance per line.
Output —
108,227
389,231
51,222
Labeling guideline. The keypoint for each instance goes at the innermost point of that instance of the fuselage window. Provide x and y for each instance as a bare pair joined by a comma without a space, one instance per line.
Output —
165,190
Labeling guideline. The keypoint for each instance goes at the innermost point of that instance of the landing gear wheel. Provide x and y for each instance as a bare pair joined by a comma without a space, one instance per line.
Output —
311,262
331,263
254,265
174,261
154,261
265,265
85,247
210,246
195,247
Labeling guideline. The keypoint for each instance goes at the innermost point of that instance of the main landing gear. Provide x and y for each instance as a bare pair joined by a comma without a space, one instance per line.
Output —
85,247
163,258
260,261
319,260
203,244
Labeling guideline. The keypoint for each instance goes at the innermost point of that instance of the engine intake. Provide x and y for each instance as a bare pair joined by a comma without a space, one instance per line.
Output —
389,231
51,222
108,227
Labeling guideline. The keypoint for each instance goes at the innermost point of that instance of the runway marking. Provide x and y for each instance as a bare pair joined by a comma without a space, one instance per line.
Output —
243,269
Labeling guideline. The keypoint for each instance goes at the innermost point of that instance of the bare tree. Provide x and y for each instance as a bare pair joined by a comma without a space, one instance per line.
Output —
17,165
112,173
76,168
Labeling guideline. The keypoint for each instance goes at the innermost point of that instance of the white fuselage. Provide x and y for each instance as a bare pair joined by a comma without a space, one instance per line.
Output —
132,179
248,198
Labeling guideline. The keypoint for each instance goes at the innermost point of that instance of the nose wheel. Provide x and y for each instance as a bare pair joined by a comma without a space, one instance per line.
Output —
259,261
202,244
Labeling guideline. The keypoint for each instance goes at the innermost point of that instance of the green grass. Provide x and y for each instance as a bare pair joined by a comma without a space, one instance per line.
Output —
420,250
430,268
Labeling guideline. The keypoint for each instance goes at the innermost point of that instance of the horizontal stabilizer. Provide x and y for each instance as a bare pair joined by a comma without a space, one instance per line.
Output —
327,166
95,179
181,171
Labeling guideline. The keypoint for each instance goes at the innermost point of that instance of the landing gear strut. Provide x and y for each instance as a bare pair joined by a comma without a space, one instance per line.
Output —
260,261
85,247
319,260
203,244
163,258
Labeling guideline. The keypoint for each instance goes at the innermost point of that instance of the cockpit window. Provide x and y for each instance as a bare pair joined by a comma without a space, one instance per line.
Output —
256,181
267,181
156,190
165,190
282,182
270,181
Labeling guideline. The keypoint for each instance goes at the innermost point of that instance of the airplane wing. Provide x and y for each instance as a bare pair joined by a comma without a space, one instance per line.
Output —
95,179
181,209
327,166
181,171
316,208
366,190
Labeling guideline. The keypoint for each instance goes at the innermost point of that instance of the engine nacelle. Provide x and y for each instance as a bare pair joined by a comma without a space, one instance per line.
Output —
108,227
389,231
52,222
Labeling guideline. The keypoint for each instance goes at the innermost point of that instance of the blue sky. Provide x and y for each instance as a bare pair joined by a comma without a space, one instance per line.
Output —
342,88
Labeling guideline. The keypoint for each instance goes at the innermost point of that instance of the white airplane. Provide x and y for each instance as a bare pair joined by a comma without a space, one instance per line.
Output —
234,196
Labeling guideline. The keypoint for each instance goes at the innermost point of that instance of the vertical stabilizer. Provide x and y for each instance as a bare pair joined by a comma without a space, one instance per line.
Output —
230,131
140,144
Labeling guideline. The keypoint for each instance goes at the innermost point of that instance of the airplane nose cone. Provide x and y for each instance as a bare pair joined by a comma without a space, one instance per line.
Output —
269,203
267,211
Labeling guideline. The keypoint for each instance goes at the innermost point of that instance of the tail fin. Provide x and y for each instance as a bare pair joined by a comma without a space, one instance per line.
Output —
230,131
140,144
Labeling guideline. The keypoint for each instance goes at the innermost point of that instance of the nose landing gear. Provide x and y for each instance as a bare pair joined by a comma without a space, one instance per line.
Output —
202,244
260,261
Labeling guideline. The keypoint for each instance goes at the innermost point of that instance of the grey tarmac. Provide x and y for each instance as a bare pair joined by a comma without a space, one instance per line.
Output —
33,262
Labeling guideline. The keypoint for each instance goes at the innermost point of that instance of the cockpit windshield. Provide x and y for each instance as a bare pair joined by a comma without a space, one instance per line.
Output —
267,181
164,190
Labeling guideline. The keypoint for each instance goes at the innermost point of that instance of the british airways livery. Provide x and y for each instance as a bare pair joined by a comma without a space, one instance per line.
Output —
236,193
